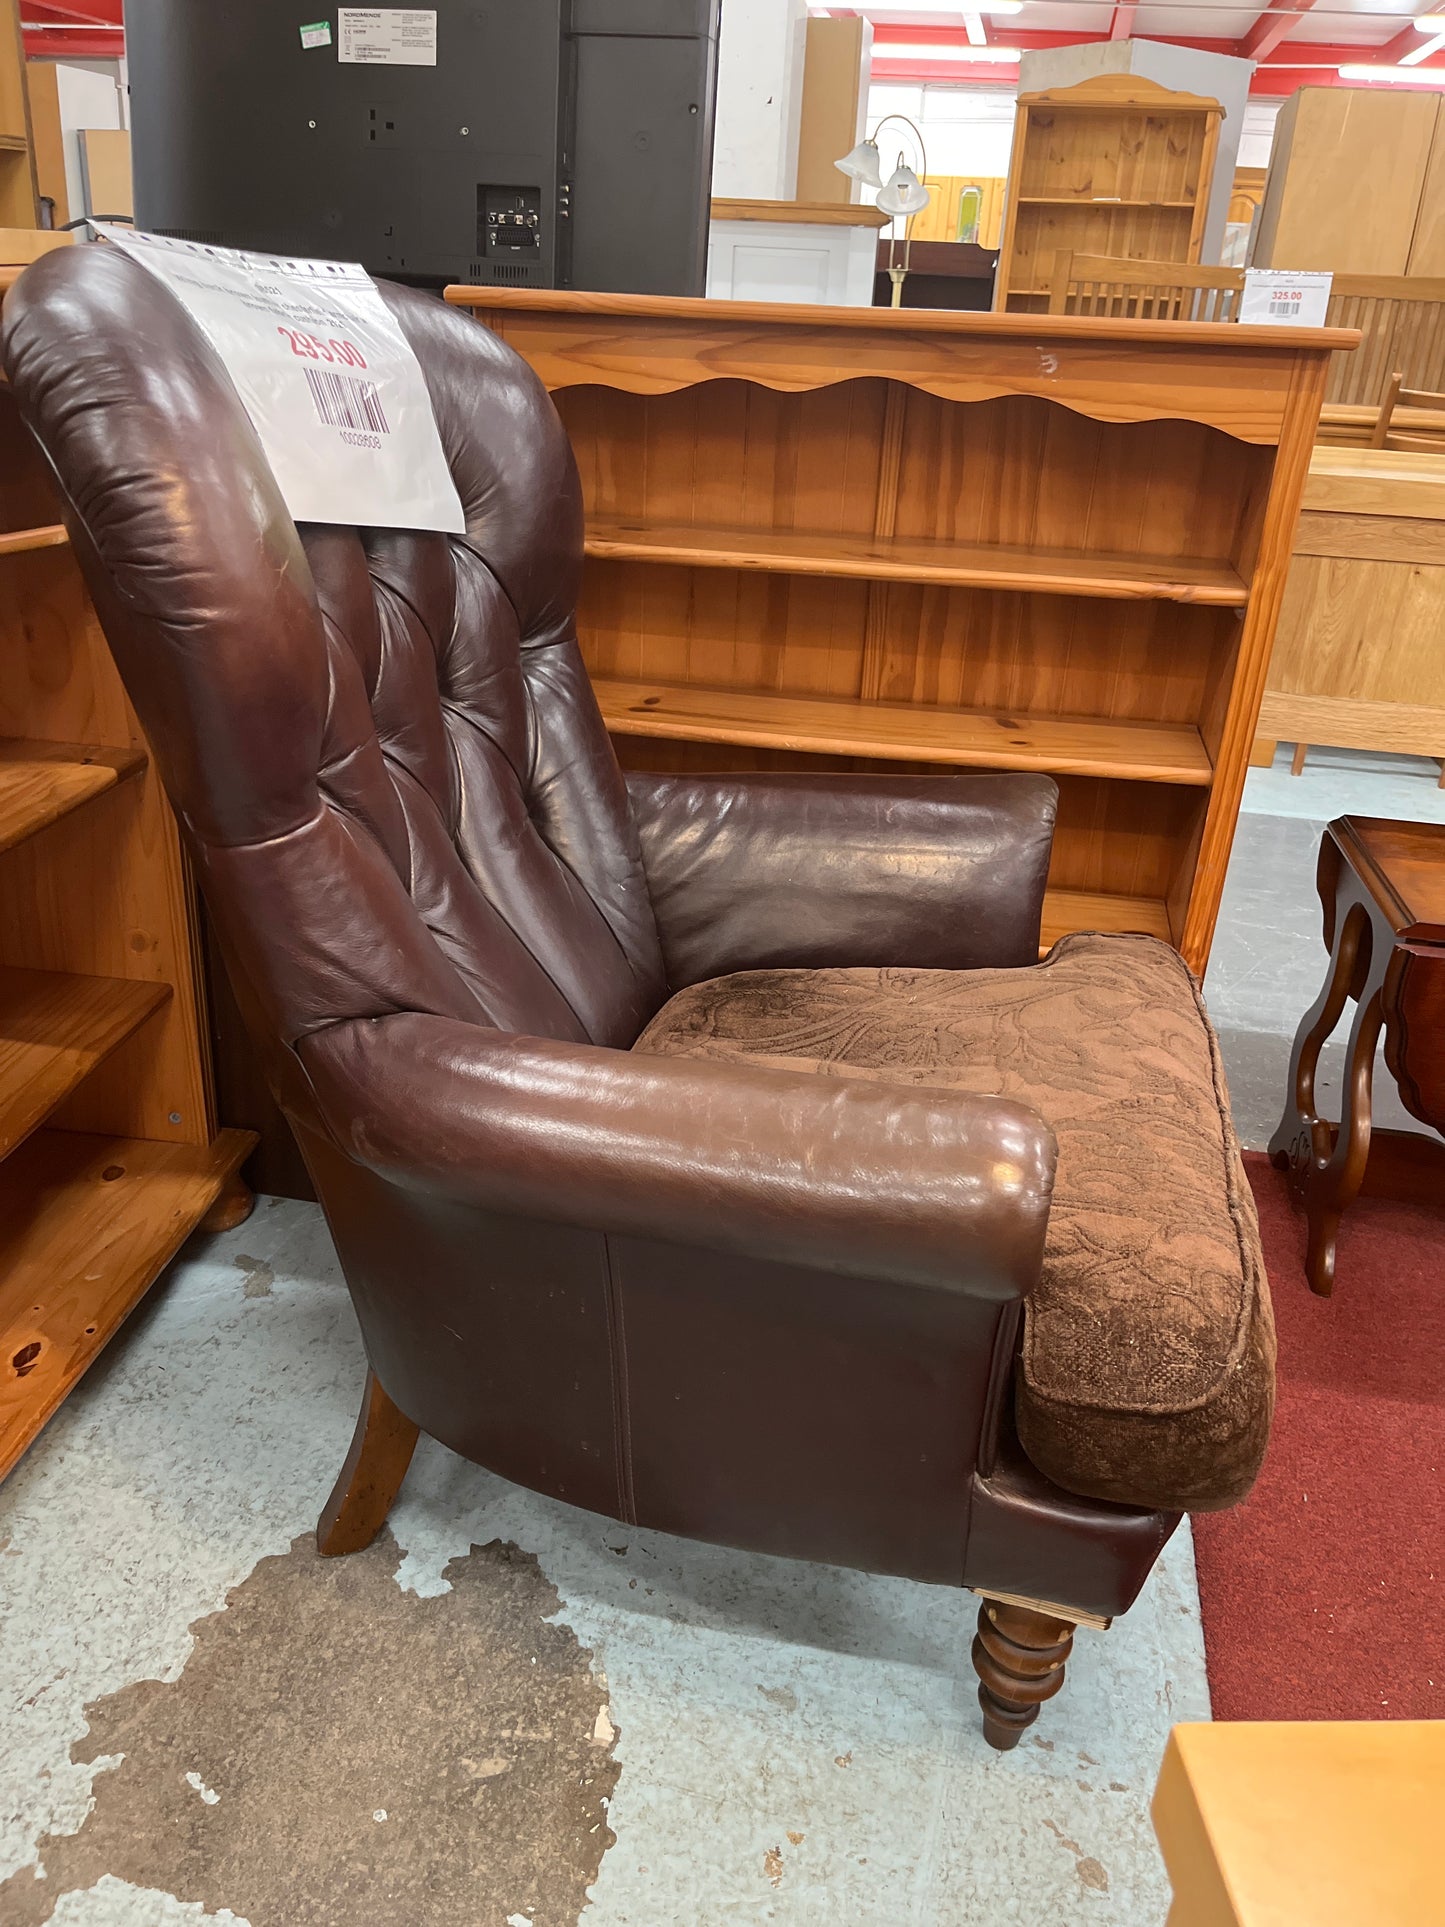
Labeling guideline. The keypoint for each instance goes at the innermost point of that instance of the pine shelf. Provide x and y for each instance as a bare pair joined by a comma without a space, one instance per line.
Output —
41,782
964,532
23,541
1078,200
85,1225
55,1027
956,565
905,732
1066,910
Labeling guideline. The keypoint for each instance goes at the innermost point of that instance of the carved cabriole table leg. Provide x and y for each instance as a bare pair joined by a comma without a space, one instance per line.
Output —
1329,1162
1380,887
1302,1135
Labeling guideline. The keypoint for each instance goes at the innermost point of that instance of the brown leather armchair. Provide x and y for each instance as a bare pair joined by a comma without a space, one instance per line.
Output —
688,1141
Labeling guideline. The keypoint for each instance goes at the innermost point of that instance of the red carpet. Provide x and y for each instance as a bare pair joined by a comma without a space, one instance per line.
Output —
1322,1594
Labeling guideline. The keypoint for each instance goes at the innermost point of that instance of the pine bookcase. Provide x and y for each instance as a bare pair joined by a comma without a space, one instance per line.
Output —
860,538
1116,166
109,1151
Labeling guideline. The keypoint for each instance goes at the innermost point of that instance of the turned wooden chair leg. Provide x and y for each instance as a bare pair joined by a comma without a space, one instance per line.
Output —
381,1450
1019,1656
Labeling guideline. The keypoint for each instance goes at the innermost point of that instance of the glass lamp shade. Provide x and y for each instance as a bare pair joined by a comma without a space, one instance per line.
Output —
904,193
860,163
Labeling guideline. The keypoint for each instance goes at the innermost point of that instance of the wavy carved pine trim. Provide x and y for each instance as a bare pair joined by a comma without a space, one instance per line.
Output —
1231,404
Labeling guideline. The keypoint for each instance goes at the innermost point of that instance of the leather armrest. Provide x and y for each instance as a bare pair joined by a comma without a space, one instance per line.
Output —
939,1188
755,871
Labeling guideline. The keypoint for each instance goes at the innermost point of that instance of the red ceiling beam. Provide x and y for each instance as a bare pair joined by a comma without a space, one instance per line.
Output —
1294,53
1292,64
79,29
1298,53
99,13
1267,83
1270,28
1122,25
92,43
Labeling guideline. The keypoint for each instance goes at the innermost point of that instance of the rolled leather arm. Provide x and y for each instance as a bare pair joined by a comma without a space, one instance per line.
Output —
939,1188
753,871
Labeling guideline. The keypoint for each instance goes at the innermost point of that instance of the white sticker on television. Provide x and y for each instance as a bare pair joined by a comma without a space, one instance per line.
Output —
1296,300
329,380
387,36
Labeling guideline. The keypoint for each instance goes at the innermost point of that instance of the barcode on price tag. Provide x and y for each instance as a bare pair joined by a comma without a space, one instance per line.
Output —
344,401
366,451
1287,297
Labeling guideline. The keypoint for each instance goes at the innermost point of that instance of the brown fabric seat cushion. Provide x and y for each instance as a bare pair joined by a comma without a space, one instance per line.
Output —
1147,1367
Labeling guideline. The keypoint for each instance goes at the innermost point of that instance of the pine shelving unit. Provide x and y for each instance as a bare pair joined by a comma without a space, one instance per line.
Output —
109,1152
1114,165
858,538
19,186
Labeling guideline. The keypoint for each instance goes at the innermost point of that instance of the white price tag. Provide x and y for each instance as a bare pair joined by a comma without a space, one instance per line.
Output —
387,36
331,384
1297,300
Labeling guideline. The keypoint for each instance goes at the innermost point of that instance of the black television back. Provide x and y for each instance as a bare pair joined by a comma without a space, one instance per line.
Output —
519,143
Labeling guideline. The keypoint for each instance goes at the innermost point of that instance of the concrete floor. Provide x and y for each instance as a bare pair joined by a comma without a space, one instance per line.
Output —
755,1698
797,1744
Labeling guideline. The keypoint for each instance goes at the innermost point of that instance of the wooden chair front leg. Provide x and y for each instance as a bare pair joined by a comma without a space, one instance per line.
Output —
1019,1656
381,1450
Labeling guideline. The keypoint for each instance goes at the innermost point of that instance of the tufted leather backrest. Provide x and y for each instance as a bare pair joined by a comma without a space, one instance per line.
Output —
382,746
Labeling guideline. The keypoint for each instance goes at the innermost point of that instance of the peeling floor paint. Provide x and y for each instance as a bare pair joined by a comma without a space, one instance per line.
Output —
319,1685
753,1700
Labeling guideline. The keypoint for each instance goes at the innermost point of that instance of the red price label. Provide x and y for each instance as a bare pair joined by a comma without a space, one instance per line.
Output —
345,354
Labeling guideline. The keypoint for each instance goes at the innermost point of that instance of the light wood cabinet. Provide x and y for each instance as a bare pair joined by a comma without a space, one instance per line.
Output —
1272,1823
109,1152
1358,661
1116,166
19,191
836,62
1356,183
105,171
48,137
865,538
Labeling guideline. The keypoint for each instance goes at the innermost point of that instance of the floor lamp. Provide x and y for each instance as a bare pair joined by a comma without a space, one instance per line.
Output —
902,195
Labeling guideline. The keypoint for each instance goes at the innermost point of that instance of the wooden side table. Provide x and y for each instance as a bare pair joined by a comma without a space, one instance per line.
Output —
1303,1823
1382,886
